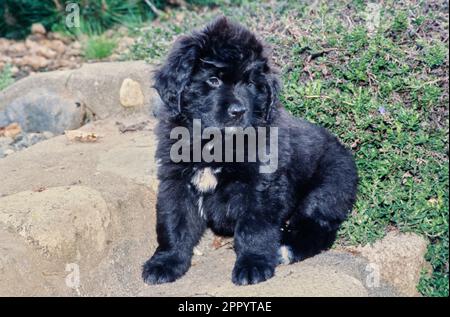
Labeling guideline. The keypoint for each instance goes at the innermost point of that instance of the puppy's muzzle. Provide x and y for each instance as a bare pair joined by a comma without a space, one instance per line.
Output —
236,111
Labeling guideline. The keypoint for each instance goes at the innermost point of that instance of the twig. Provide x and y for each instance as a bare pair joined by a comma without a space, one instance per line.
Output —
327,97
322,52
430,82
57,5
154,9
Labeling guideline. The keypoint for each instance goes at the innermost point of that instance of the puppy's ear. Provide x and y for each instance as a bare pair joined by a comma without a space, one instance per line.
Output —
173,76
273,86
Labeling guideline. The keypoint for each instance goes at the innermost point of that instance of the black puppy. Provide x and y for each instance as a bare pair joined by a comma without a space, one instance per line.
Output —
222,76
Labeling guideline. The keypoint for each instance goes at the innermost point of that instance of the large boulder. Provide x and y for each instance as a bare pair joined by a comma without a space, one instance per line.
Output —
42,109
61,222
104,89
400,259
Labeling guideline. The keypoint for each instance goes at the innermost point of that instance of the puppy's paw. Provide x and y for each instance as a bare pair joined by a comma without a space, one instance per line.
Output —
285,255
164,269
251,270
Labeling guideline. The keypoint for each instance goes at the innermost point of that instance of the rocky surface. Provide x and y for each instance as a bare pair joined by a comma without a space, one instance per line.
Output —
93,205
47,51
48,104
77,211
40,51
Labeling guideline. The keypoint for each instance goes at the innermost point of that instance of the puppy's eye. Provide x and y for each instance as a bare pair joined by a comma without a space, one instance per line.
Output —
214,82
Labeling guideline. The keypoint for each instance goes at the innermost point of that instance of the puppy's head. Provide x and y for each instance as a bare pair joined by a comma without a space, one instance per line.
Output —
220,75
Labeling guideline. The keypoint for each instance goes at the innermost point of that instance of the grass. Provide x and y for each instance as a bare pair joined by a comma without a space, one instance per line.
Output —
98,47
6,77
384,92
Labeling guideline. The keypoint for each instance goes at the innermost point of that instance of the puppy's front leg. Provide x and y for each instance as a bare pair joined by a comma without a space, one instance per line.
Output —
179,228
256,242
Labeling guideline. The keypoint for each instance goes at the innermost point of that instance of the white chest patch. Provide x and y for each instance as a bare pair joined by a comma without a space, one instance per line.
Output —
205,180
200,206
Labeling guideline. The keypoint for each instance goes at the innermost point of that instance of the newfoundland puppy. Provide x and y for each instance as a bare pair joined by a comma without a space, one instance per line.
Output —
221,77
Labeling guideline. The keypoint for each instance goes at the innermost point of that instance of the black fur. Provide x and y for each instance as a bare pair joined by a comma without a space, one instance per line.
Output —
300,205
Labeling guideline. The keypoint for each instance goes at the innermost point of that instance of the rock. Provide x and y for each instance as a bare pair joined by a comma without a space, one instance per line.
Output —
5,151
24,273
58,163
36,62
31,45
57,45
400,259
130,161
11,130
46,52
17,48
5,59
48,134
120,168
27,140
131,94
38,28
5,141
63,64
59,36
76,45
38,51
44,110
331,274
4,121
61,221
14,70
124,44
96,85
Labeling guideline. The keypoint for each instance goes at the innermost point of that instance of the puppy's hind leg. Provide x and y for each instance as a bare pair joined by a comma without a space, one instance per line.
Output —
313,226
309,238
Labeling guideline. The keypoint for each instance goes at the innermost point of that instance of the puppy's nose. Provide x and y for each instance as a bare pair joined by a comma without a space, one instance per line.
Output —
236,110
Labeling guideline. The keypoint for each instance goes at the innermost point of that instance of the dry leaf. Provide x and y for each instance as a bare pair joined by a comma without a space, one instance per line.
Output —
11,130
81,136
433,201
405,177
355,144
219,242
134,127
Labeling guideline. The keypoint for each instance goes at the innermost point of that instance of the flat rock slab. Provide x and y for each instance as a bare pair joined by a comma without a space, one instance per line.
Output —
115,177
331,273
